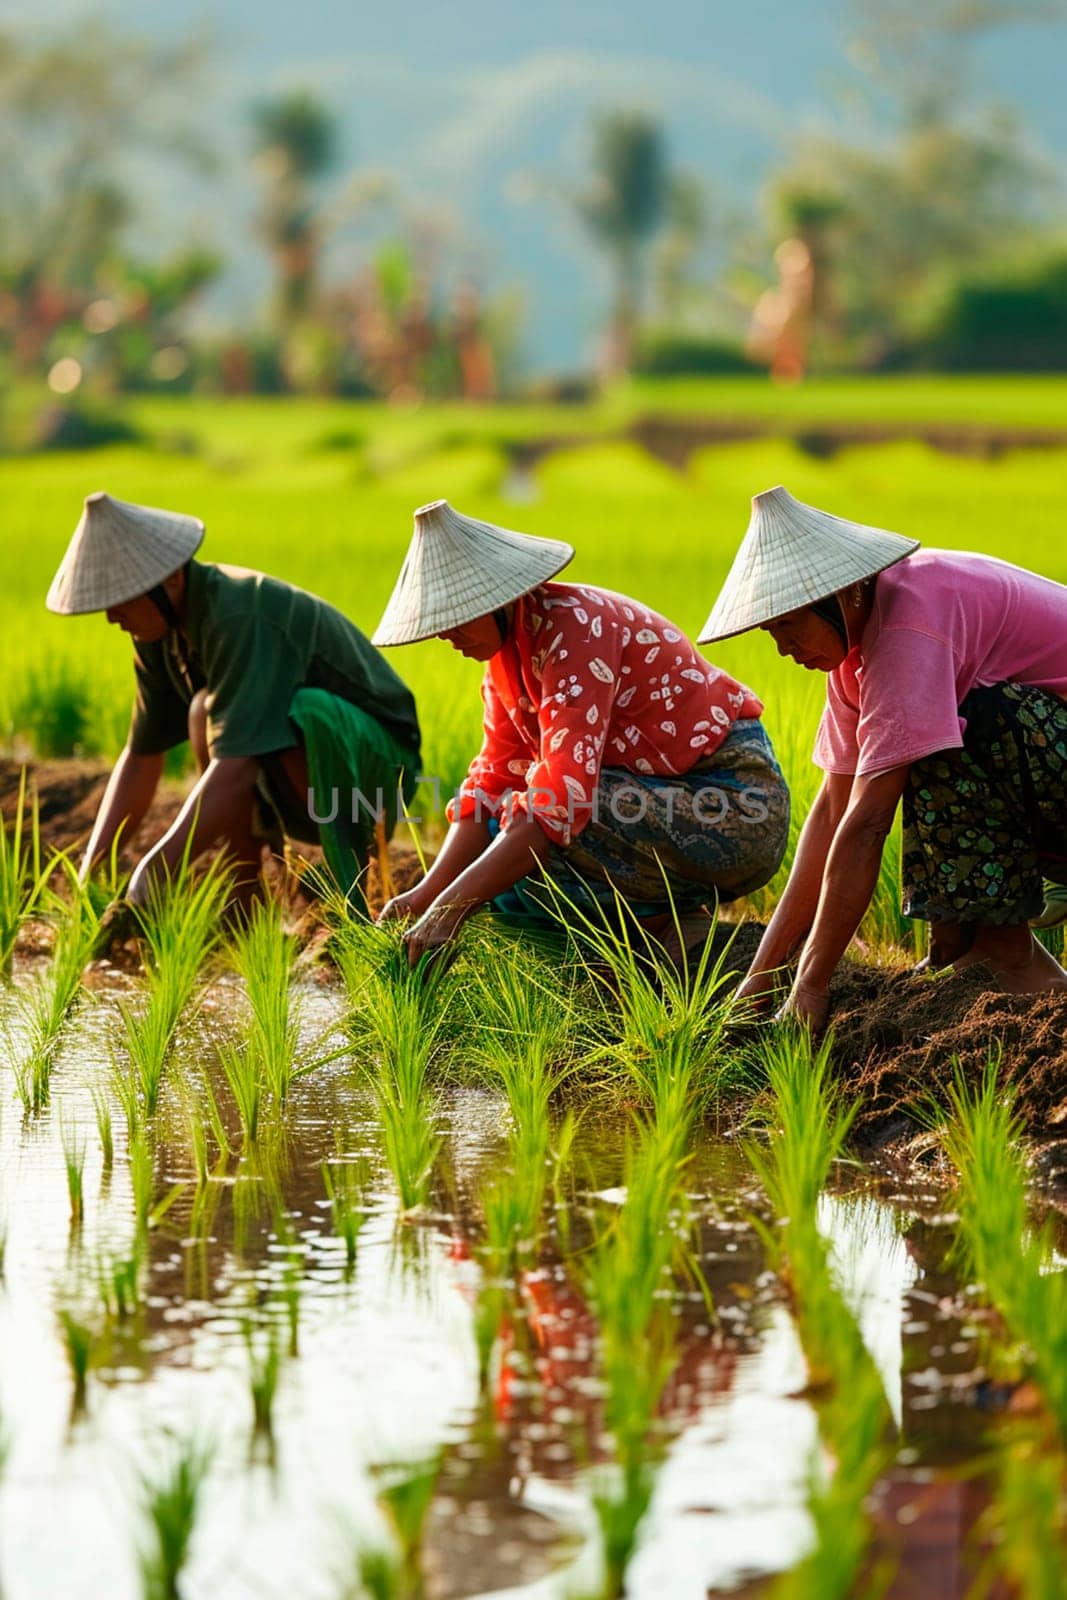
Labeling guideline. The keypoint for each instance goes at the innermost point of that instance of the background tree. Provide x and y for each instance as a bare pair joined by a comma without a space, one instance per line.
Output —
623,207
683,236
296,141
72,110
925,185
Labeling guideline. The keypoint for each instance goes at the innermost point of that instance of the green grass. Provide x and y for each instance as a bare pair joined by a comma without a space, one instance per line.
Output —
73,1142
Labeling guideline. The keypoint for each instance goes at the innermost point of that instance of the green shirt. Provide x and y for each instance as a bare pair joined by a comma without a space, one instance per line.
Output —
252,642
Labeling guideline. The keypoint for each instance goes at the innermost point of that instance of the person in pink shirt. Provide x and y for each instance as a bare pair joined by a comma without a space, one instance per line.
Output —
614,757
947,689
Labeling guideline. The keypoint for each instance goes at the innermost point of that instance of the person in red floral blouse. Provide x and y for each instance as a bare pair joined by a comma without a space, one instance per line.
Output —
615,757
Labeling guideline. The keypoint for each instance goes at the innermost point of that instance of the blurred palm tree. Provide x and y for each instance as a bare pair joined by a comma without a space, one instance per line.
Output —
623,208
296,142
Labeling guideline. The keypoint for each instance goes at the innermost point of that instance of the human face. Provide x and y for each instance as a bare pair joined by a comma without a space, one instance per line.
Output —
808,638
141,618
477,640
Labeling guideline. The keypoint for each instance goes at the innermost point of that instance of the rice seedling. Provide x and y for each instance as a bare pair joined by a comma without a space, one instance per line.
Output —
149,1209
79,1342
345,1182
265,1358
1026,1522
21,877
170,1502
524,1027
241,1071
399,1017
404,1497
665,1022
119,1281
181,924
1008,1255
73,1143
105,1132
630,1271
809,1129
263,954
46,1006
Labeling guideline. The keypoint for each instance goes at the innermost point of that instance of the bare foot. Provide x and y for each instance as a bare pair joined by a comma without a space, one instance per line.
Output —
696,928
1022,965
949,941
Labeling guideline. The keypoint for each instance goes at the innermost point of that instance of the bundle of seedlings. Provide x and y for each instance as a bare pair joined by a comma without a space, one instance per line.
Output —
398,1020
635,1263
1014,1267
46,1005
808,1127
181,925
22,879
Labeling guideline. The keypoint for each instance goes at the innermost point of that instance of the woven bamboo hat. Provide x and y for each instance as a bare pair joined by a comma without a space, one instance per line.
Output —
458,568
120,550
793,555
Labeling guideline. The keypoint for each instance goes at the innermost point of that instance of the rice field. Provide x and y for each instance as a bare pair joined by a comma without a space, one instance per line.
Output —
529,1276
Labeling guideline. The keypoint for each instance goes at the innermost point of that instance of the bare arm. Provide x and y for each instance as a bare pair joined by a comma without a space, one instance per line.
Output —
129,793
514,852
464,843
852,869
794,914
223,786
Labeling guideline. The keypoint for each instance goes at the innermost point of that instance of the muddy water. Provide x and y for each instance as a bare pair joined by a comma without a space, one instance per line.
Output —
381,1368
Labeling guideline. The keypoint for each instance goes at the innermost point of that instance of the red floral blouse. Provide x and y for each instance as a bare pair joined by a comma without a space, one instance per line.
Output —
589,678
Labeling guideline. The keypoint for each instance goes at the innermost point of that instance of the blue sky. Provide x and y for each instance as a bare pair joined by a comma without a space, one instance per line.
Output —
469,103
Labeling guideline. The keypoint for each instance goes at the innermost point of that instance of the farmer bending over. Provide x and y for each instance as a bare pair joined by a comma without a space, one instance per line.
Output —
614,756
276,690
947,686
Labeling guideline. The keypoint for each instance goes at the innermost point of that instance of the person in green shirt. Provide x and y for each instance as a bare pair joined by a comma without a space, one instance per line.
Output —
286,703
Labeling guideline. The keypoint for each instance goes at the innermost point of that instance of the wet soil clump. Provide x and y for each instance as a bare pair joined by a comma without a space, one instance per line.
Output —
899,1036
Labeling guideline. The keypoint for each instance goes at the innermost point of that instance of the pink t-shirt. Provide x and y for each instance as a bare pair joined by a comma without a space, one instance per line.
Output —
943,624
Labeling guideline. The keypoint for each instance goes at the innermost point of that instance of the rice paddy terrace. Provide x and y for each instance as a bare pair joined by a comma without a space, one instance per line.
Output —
536,1274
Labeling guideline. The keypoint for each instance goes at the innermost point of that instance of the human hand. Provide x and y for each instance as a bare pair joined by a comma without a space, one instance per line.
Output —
807,1004
757,990
402,906
435,929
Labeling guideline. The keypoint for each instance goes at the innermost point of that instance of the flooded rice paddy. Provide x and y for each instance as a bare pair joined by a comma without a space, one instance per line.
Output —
363,1400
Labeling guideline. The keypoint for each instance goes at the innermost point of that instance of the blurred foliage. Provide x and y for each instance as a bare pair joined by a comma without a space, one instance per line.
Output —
923,183
667,353
73,303
1009,318
623,205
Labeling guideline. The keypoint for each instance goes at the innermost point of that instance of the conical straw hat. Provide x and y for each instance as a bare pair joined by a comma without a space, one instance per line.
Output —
458,568
119,551
793,555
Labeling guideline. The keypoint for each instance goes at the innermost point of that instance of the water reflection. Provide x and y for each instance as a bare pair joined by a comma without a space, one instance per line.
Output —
381,1367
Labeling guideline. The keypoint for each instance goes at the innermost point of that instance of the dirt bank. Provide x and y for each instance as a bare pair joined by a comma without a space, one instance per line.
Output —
899,1036
69,794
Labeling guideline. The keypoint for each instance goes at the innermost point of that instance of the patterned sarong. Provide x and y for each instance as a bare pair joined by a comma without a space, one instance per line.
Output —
983,825
717,832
